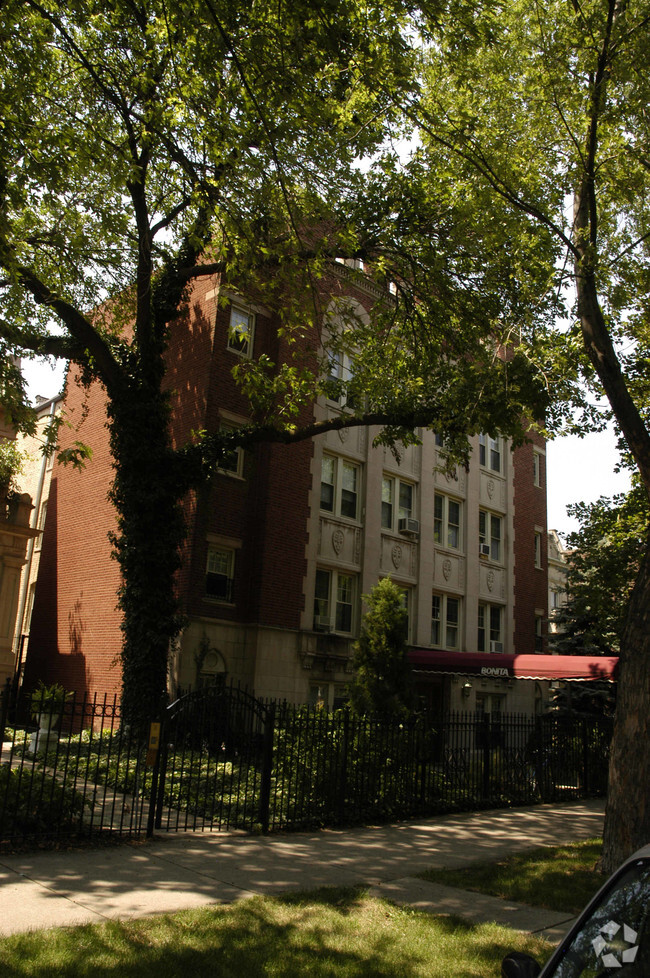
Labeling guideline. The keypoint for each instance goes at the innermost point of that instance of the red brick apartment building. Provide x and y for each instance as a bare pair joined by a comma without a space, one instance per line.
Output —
283,545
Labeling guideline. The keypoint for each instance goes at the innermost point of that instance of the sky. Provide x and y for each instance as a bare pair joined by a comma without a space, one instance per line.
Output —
578,469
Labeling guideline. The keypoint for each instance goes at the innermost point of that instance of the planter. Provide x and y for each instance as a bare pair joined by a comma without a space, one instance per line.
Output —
46,736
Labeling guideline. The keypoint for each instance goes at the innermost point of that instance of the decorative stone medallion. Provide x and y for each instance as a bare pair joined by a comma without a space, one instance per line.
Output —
396,555
446,569
490,488
490,580
337,541
344,434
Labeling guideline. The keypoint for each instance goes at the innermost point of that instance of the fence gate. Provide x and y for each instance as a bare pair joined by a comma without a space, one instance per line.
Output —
214,766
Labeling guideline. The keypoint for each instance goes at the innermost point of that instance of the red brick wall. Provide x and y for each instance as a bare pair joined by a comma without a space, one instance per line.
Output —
267,510
531,583
75,634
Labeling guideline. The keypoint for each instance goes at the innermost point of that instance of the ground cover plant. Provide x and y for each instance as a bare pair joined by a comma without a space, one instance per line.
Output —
338,933
559,878
36,803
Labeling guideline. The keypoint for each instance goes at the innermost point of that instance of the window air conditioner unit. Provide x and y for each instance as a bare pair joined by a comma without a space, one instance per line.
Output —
407,525
322,624
496,646
484,549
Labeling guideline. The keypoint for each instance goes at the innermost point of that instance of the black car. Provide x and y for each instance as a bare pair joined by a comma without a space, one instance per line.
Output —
611,938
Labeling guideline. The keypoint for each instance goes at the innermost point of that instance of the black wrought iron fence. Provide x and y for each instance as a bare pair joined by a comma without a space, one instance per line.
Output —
221,759
70,769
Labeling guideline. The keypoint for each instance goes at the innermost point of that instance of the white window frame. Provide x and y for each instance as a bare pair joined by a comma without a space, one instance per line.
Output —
397,510
42,517
320,695
556,598
220,568
539,633
341,491
449,636
341,370
489,630
490,453
487,537
537,469
331,607
443,528
538,550
237,471
241,336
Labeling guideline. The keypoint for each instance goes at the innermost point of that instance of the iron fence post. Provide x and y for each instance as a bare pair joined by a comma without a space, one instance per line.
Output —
4,707
343,783
267,768
487,736
585,759
154,816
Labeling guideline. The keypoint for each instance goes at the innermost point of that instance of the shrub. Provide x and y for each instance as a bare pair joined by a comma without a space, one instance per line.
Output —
33,802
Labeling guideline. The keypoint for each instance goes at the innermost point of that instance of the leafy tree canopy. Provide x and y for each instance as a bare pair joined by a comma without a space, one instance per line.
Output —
146,146
604,559
534,117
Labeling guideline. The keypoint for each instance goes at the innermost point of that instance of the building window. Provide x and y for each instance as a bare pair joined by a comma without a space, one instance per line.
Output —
233,463
334,601
240,331
490,628
219,574
538,550
339,378
539,633
38,542
407,604
339,487
27,620
490,703
446,521
322,694
489,452
490,535
397,502
445,621
212,670
557,598
537,469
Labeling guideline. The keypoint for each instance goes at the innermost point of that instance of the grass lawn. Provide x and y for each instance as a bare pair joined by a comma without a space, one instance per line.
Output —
333,933
560,878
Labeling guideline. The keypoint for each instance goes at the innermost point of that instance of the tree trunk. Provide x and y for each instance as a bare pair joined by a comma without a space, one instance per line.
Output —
627,817
148,498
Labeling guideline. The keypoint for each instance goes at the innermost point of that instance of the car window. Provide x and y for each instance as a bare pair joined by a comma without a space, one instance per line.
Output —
615,938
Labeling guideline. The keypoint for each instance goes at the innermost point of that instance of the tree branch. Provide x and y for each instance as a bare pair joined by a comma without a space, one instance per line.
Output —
83,333
477,160
201,459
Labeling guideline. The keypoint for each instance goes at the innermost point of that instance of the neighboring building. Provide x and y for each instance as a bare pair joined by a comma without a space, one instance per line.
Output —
35,480
558,557
284,543
16,538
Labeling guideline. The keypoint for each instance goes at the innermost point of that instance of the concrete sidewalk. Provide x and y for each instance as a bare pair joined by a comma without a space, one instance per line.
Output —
175,872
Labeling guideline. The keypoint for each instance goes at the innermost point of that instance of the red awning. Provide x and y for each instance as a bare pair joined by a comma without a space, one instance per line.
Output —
495,666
